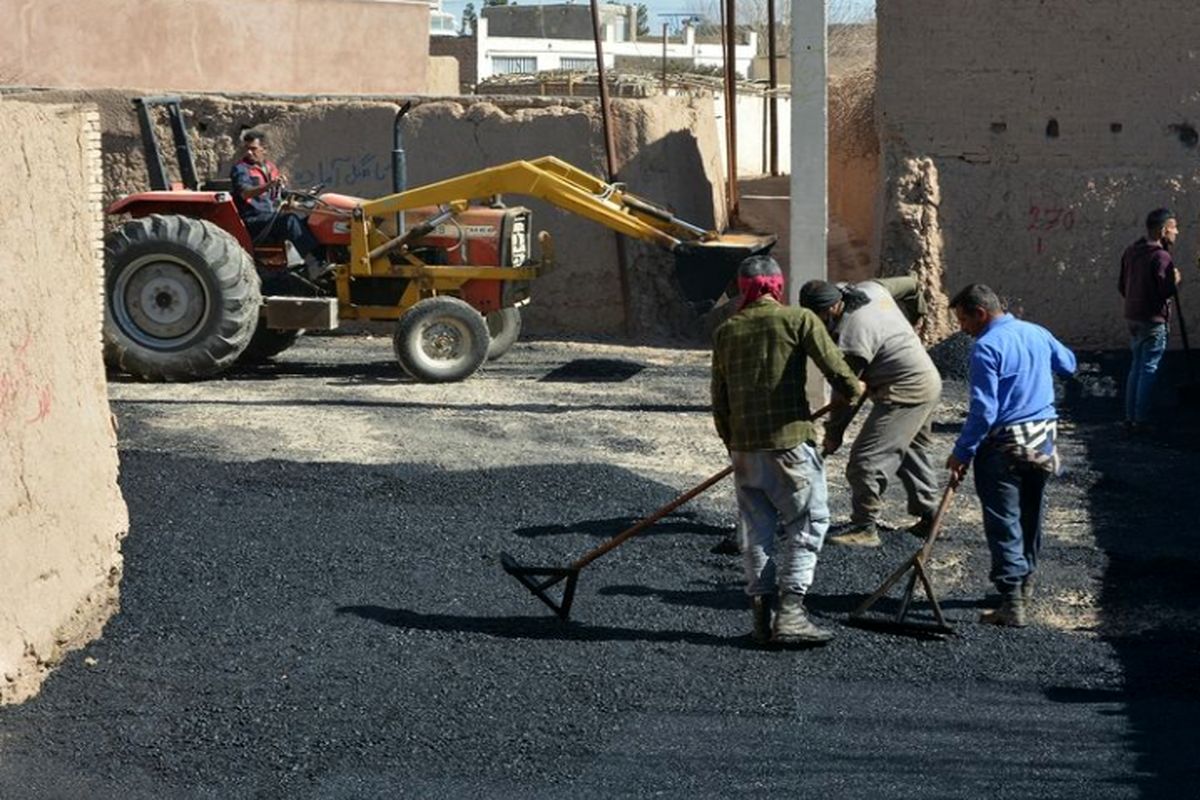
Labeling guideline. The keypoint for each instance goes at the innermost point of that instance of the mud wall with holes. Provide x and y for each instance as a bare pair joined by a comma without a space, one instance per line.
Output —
62,516
666,149
1030,159
278,46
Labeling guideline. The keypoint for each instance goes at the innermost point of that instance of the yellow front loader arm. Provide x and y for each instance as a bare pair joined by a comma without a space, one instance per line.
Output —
549,179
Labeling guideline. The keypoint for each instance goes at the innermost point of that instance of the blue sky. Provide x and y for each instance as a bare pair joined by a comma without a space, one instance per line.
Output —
855,9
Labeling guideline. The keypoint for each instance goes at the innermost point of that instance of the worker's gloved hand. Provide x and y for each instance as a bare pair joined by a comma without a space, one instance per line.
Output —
958,470
840,401
831,443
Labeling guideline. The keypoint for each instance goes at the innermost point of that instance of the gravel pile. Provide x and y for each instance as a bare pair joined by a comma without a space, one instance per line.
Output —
952,356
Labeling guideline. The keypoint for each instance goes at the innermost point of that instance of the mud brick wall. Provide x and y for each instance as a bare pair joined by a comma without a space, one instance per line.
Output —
1051,129
62,516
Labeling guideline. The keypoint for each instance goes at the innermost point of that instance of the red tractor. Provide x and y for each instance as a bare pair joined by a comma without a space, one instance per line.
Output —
188,293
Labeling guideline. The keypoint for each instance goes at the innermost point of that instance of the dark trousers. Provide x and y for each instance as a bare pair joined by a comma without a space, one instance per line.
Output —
278,228
1013,497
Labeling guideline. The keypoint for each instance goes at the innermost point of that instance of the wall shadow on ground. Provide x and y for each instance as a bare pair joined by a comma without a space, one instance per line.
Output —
1144,505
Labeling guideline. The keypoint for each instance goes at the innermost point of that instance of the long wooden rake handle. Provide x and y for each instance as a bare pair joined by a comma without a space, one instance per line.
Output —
628,533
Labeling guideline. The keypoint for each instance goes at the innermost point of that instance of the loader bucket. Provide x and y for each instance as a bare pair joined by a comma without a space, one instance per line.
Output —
706,269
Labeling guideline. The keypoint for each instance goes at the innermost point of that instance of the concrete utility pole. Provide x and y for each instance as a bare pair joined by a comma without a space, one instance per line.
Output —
810,136
773,82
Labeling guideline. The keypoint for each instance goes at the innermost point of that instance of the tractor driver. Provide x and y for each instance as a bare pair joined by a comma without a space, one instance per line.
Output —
256,192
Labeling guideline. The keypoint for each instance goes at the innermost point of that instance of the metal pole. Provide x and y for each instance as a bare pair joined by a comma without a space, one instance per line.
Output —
731,105
610,157
773,103
605,107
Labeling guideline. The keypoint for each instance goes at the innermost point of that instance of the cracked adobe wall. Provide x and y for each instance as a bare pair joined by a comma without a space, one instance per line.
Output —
62,516
279,46
1053,128
667,152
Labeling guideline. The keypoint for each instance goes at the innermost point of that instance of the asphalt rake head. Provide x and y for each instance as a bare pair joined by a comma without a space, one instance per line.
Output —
539,579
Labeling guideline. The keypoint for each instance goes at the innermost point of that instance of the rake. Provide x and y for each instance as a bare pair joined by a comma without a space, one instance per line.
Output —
538,580
914,568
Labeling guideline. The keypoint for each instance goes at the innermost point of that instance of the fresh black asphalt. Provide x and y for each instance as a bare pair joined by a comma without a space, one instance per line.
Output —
334,630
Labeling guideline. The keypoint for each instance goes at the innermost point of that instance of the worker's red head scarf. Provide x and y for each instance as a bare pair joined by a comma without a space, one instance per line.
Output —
754,287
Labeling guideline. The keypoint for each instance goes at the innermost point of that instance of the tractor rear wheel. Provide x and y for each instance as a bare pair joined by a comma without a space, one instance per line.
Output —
440,340
181,298
505,328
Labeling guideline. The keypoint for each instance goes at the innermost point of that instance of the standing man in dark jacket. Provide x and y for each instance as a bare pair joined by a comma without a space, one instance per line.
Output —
1010,436
1149,279
762,414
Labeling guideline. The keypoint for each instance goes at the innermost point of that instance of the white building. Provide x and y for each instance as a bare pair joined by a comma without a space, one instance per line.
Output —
529,39
441,22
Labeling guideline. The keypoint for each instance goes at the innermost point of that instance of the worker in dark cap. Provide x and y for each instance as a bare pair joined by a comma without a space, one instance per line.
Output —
762,414
1148,281
880,345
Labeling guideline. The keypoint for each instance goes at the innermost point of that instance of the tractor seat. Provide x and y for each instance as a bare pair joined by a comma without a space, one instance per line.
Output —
271,256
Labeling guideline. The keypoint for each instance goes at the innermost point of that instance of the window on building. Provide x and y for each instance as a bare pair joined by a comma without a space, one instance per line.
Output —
577,64
514,65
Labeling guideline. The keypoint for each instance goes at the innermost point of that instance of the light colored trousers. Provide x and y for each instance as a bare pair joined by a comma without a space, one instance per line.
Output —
895,439
780,489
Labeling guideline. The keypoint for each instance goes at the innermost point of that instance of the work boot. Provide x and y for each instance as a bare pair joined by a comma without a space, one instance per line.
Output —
1027,587
792,625
1010,614
921,527
760,607
865,534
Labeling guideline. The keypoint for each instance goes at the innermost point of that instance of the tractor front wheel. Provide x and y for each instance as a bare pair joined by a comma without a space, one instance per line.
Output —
505,328
181,298
440,340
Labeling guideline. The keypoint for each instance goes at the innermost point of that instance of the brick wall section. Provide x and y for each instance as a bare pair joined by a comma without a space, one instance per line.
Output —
1054,128
94,162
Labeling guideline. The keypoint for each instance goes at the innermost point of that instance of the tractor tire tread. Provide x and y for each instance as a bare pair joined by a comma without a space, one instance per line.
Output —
233,279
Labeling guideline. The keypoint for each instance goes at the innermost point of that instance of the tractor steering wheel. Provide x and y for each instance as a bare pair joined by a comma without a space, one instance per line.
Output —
303,199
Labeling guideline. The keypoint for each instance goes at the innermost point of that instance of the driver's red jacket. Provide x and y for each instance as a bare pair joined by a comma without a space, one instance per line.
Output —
245,174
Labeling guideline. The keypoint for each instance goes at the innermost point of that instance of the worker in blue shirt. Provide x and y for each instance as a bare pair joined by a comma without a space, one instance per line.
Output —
1009,435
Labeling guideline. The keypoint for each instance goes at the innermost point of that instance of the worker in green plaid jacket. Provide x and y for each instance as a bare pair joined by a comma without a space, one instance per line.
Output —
762,414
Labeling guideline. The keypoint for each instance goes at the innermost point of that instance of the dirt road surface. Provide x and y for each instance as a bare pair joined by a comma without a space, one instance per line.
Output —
313,606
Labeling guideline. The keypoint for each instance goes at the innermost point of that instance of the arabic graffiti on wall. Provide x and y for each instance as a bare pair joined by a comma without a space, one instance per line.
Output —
343,171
